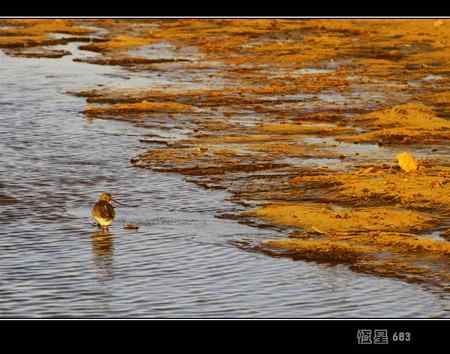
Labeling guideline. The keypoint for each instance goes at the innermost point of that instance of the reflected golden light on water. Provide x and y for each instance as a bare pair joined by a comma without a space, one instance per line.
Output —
102,252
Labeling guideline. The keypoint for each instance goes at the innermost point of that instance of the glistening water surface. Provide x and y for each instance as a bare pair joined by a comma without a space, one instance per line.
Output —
180,263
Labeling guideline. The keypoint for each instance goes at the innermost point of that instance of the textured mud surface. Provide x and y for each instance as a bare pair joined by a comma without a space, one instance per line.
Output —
301,121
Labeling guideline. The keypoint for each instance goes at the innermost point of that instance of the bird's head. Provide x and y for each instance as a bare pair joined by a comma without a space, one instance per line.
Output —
106,197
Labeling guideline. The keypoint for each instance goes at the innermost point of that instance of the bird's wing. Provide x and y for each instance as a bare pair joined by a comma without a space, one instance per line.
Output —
103,210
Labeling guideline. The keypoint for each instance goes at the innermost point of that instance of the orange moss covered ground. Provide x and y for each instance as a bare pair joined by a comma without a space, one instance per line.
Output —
406,124
323,218
428,188
32,33
139,107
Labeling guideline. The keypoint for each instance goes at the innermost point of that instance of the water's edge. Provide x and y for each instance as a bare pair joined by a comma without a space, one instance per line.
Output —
180,263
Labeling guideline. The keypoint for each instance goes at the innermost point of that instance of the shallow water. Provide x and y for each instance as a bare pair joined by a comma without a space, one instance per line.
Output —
180,263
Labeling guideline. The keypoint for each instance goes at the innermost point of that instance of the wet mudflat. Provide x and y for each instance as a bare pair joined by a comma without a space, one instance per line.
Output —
217,175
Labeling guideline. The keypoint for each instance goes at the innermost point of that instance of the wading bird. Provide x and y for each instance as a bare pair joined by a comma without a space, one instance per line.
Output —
103,211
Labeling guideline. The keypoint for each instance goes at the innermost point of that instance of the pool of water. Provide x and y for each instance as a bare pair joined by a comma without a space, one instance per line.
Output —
181,263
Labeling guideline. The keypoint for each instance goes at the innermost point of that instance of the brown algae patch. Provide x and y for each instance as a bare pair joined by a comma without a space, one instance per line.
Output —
238,139
126,60
326,219
35,33
390,255
119,42
404,243
291,150
201,160
290,128
428,188
410,123
37,53
319,250
6,200
371,240
144,106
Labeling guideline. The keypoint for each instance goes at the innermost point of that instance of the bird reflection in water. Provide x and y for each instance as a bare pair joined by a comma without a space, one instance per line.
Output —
102,251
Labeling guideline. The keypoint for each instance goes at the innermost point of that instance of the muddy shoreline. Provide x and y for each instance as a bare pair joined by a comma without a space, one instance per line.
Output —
301,121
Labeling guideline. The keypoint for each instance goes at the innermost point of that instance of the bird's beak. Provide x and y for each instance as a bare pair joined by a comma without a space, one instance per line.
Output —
115,201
